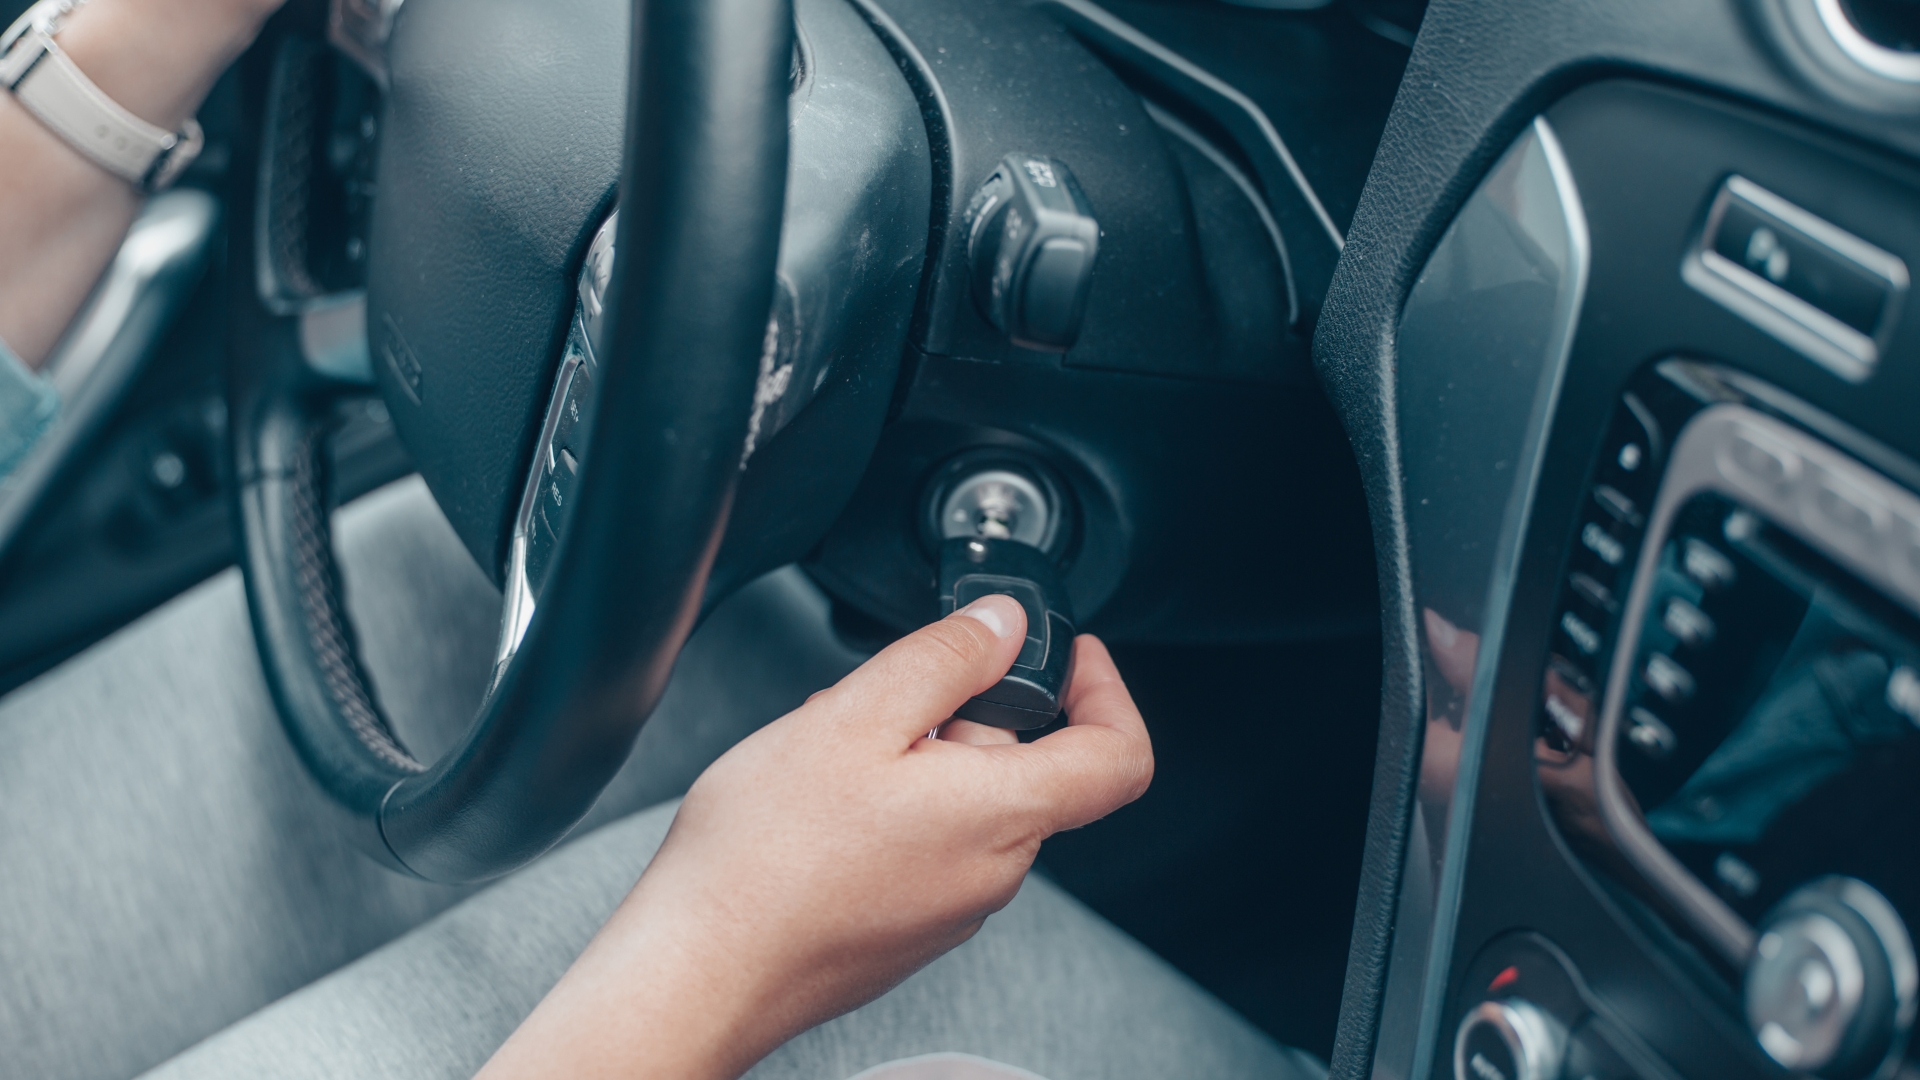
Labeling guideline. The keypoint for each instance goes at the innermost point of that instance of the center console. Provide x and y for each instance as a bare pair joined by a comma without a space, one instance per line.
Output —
1666,821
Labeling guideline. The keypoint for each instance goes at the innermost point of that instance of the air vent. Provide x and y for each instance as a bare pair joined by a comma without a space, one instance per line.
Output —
1882,36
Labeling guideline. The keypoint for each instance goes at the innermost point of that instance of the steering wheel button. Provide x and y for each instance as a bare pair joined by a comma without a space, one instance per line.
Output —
574,410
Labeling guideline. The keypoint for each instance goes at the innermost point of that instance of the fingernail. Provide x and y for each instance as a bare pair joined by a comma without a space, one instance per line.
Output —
992,612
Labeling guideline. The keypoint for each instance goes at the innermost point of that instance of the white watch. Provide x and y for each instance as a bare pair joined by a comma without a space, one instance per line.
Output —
46,82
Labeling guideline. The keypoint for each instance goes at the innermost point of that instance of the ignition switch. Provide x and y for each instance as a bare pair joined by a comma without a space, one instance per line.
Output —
1031,241
998,526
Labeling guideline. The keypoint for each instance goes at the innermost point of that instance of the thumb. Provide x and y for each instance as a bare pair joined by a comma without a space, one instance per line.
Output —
914,684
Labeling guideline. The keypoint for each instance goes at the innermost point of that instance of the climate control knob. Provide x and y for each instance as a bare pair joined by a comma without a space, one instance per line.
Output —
1830,988
1510,1039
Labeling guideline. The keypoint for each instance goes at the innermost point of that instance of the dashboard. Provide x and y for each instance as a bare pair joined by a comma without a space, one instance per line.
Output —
1647,539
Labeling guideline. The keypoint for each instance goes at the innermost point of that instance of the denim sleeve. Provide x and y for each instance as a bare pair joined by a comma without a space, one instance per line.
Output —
28,405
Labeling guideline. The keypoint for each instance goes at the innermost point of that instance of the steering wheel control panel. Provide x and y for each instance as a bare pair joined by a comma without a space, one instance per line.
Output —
1729,724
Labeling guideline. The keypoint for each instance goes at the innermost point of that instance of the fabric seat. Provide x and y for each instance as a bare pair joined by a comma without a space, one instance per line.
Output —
1046,986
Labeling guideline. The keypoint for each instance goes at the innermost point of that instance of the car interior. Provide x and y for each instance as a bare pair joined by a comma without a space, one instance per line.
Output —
1419,396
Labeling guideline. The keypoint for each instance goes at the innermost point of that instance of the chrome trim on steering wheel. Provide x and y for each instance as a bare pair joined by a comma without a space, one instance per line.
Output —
546,497
360,28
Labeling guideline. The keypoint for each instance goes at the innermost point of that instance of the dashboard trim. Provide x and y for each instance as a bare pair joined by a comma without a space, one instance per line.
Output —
1428,904
1705,460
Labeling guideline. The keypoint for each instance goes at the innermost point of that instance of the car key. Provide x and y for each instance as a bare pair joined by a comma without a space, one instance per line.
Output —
1031,693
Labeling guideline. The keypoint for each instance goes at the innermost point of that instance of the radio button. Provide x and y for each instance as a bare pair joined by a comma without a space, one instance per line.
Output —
1668,679
1607,547
1586,588
1691,626
1651,735
1851,517
1584,637
1706,565
1762,464
1629,458
1618,505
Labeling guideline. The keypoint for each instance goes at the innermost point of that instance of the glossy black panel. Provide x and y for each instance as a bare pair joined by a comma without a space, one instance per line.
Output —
1647,161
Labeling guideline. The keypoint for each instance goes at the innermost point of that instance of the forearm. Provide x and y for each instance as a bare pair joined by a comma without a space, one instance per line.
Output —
61,216
648,999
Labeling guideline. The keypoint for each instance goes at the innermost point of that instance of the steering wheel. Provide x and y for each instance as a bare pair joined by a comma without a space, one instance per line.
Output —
679,351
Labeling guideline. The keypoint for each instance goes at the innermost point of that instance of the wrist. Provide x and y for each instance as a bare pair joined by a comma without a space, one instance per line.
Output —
687,1007
158,59
709,1012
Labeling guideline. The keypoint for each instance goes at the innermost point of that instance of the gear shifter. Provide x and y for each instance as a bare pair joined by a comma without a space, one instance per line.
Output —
1030,694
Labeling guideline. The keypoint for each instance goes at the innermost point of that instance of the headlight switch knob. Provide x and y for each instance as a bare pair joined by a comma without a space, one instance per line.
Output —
1031,243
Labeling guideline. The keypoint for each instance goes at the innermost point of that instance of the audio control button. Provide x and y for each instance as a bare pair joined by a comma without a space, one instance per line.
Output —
1650,735
1830,988
1608,548
1706,565
1688,624
1667,678
1509,1040
1587,588
1584,637
1621,508
1629,460
1758,463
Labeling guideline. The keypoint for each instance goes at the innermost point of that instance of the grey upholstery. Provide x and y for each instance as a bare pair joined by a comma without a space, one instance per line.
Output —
166,869
1046,986
167,873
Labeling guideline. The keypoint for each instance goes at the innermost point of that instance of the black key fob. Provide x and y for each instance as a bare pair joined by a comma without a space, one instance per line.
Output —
1031,694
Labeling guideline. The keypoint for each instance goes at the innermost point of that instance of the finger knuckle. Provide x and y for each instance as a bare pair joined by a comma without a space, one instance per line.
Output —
948,640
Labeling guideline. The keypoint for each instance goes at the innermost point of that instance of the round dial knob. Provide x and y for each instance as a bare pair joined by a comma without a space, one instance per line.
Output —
1830,987
1509,1040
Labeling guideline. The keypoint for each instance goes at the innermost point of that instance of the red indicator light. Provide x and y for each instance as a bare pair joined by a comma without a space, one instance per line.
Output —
1503,980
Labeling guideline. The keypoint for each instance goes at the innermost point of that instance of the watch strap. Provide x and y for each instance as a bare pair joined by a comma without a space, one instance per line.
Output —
47,83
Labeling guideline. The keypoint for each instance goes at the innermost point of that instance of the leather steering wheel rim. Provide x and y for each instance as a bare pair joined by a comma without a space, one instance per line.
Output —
702,191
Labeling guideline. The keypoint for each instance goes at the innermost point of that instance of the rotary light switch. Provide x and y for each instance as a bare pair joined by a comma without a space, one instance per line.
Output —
1031,242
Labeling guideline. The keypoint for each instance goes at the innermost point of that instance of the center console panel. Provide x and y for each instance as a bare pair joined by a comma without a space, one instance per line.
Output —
1692,849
